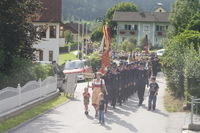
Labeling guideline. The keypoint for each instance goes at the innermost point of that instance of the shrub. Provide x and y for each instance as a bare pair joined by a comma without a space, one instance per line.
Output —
175,60
95,60
22,72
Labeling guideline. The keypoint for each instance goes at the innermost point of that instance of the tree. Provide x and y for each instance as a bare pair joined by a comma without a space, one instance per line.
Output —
17,32
123,6
194,24
68,37
97,34
174,59
182,12
129,45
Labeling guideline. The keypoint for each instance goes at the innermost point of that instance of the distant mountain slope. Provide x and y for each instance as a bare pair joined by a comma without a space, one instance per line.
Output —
92,9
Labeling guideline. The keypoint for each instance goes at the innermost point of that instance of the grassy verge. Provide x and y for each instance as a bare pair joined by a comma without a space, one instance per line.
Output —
171,103
66,56
31,113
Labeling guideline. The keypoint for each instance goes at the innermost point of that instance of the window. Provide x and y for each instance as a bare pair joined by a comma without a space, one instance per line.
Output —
50,55
157,27
167,27
127,27
135,27
40,55
43,34
161,28
52,31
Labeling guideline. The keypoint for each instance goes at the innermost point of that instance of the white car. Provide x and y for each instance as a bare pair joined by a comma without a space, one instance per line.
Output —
160,52
81,67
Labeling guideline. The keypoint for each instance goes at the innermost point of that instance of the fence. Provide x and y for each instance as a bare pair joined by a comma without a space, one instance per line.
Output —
195,108
11,98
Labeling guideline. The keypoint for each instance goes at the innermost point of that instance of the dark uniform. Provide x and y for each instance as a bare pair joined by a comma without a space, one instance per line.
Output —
142,82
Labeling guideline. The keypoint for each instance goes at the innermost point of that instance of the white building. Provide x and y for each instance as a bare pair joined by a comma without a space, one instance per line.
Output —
51,38
138,25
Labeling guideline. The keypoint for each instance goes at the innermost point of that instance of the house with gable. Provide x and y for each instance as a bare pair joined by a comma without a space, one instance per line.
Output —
51,37
138,25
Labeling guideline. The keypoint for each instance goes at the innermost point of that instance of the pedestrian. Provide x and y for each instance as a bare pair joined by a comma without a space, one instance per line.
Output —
102,107
86,99
142,82
97,86
153,92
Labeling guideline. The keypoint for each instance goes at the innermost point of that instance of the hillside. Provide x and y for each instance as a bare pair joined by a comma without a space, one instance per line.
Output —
92,9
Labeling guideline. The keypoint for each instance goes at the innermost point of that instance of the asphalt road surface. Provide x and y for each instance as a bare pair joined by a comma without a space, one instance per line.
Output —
129,118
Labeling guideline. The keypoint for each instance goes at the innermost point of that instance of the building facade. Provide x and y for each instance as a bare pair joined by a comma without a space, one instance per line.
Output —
138,25
51,37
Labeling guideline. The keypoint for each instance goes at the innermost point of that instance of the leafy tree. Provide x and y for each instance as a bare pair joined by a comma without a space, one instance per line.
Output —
129,45
183,11
68,37
97,35
17,32
174,59
122,6
194,24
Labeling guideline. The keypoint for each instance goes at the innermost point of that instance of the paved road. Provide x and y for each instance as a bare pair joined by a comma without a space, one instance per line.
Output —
129,118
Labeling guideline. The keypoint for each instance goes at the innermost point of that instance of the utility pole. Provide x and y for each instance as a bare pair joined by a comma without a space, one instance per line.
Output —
82,48
78,37
86,41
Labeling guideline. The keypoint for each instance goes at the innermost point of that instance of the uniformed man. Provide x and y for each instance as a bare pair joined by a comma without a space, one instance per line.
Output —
142,82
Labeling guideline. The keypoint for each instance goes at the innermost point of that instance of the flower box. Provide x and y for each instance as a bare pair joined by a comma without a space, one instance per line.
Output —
132,32
122,32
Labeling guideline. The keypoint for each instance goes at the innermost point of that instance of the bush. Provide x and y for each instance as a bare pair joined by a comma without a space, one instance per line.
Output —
174,60
73,46
192,72
97,34
95,60
22,72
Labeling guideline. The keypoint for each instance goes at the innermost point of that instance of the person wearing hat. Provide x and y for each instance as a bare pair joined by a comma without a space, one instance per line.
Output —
153,92
98,85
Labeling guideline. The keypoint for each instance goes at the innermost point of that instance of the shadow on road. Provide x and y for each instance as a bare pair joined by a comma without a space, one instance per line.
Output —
112,118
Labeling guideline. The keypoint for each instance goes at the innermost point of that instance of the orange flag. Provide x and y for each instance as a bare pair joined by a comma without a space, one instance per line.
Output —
105,61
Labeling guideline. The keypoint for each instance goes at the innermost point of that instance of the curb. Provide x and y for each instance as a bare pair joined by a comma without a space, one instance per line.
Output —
38,116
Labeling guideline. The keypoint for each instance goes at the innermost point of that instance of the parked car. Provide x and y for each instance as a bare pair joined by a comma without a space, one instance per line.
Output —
81,67
160,52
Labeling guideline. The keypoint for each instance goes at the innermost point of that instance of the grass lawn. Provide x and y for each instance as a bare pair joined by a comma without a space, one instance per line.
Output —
171,103
28,114
66,56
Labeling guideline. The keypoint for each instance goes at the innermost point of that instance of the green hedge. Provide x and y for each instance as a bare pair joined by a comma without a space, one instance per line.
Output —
181,63
22,72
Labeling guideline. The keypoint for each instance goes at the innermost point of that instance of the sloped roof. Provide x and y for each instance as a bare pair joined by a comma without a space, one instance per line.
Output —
52,11
141,16
73,27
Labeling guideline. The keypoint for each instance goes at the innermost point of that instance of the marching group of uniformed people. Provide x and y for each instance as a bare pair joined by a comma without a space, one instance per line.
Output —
124,80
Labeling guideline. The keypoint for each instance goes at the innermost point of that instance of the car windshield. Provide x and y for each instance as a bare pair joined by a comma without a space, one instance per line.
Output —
74,65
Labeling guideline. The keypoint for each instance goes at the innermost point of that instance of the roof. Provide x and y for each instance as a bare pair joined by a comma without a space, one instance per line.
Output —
73,27
141,17
52,11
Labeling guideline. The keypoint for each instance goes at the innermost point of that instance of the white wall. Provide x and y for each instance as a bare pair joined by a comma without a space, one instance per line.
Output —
50,44
152,36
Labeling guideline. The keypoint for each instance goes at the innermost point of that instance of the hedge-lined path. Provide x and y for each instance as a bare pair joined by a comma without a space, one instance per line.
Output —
129,118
